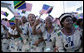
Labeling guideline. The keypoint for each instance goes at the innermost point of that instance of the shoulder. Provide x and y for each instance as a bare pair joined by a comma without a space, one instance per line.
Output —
56,28
59,33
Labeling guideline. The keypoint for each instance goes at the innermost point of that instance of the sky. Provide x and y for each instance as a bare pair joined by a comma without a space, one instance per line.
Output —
58,9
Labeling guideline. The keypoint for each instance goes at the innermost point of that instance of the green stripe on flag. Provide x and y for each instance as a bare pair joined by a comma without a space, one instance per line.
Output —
6,14
17,4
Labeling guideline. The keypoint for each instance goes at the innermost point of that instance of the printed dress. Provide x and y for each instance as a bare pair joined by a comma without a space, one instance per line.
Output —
34,38
50,39
15,43
66,43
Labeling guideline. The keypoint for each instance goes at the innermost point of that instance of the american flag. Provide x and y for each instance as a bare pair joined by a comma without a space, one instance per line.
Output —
28,7
5,23
46,9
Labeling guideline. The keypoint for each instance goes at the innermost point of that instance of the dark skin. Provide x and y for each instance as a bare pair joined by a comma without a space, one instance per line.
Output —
12,27
17,28
34,23
22,23
81,25
24,19
6,31
31,18
49,26
16,25
68,26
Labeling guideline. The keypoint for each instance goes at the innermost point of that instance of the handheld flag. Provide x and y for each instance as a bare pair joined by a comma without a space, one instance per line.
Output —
28,7
46,9
78,9
4,13
19,5
23,11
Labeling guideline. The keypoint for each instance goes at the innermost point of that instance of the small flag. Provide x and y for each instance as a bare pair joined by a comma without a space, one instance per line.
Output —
4,13
80,8
19,5
12,23
46,9
28,7
12,19
17,15
23,11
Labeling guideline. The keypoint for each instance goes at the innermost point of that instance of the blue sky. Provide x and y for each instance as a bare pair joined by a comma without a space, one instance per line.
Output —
69,6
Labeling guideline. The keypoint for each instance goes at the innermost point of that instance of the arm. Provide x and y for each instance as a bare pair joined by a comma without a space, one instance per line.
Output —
35,32
39,41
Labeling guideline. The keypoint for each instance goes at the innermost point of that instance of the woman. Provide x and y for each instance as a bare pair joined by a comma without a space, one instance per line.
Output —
24,29
14,33
49,35
36,44
4,39
68,39
4,36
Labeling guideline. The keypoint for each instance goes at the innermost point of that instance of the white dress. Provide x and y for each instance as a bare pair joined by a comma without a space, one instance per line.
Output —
69,43
24,29
15,44
34,38
47,37
4,42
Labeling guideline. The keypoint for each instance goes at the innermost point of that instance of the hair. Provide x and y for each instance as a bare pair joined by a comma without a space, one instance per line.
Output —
49,19
51,16
63,18
79,21
6,19
74,19
31,14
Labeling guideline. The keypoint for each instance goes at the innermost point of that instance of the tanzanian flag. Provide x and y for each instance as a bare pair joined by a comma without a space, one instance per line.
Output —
4,13
19,4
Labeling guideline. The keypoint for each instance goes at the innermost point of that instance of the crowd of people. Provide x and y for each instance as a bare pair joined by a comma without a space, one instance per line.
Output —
33,34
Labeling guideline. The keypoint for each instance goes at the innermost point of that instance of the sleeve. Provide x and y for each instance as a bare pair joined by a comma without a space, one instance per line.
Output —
42,27
2,30
59,43
9,30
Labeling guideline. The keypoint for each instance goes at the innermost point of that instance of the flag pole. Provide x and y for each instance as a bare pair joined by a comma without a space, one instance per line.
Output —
63,7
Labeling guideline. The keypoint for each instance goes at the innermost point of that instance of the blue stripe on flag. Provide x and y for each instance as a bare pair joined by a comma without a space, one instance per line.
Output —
45,7
12,23
22,6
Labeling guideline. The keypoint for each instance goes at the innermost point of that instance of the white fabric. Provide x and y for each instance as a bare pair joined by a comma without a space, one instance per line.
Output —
61,42
53,38
13,32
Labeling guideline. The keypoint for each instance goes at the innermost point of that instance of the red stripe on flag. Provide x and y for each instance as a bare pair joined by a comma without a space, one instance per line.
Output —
28,7
2,12
43,11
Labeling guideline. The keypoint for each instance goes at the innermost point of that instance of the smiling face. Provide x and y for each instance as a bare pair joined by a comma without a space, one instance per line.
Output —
31,18
68,23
